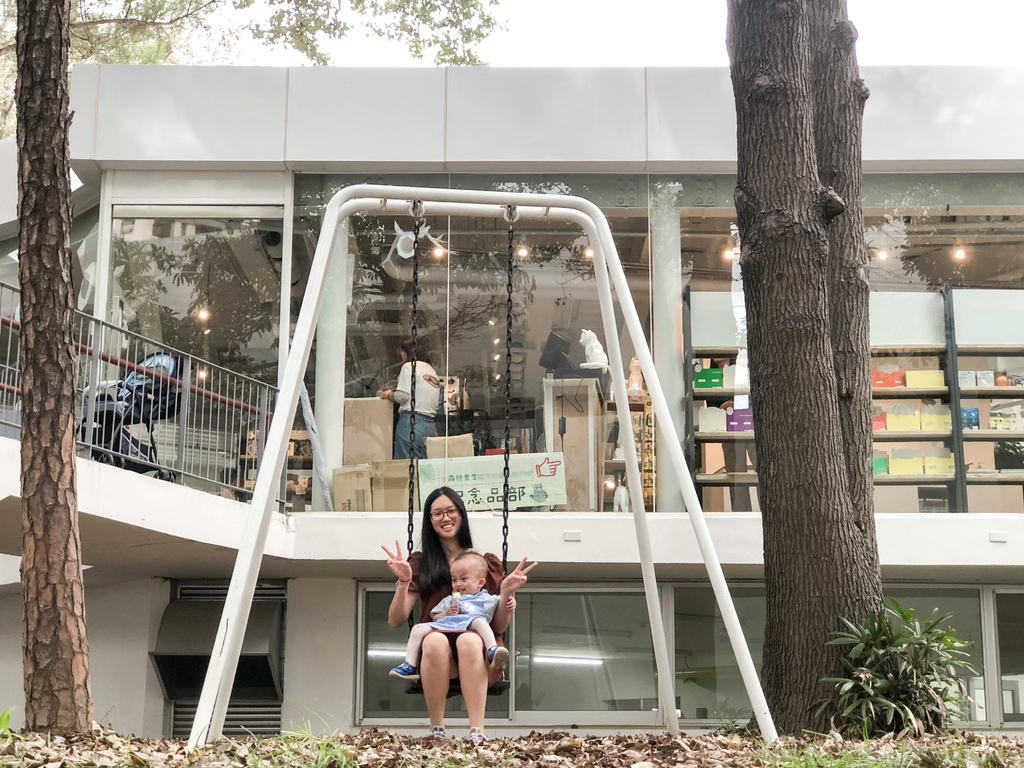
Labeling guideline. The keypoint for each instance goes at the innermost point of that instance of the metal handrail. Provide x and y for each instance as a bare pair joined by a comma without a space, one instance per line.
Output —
210,440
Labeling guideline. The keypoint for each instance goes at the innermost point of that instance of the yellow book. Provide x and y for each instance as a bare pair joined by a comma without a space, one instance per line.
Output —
926,379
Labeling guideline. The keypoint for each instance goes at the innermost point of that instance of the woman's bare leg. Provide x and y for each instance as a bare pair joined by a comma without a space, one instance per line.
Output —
435,669
473,675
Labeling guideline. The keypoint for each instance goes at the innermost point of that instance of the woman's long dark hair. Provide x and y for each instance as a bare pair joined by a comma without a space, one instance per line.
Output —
434,573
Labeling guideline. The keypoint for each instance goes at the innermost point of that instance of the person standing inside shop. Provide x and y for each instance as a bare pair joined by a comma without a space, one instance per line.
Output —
428,396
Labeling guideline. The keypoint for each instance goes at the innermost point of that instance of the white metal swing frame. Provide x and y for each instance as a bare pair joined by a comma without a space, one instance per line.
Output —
366,198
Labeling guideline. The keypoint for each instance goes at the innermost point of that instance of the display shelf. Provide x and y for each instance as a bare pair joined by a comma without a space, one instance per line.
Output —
716,351
724,437
1015,477
889,436
718,393
727,478
993,434
910,350
611,466
893,393
918,479
993,392
1007,350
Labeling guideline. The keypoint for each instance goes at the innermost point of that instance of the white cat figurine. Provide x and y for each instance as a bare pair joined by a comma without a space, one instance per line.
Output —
596,357
635,382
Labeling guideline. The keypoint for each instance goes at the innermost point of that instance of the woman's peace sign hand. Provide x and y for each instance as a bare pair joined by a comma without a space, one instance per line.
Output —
397,563
517,578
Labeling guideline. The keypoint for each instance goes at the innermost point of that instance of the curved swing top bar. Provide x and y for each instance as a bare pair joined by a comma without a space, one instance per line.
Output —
366,198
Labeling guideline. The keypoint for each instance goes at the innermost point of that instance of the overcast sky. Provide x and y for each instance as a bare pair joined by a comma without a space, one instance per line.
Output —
587,33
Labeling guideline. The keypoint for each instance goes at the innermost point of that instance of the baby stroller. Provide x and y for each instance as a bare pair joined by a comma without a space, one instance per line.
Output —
149,393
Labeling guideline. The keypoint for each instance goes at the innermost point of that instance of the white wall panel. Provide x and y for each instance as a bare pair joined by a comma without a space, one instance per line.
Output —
944,118
545,118
989,318
691,120
319,656
153,115
365,116
196,187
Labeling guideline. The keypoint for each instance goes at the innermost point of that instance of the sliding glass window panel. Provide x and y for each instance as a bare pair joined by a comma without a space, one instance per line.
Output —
1010,627
387,697
708,681
584,651
206,282
964,606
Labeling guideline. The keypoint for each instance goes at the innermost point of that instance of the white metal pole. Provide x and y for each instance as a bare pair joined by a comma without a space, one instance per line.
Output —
224,659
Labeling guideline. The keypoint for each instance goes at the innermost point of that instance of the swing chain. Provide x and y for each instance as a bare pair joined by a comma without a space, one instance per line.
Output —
417,211
511,215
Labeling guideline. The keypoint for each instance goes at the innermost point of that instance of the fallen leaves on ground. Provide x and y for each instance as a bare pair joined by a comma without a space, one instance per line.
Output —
373,748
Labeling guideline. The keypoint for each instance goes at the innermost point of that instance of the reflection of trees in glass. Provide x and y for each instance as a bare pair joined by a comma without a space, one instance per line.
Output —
1009,454
163,291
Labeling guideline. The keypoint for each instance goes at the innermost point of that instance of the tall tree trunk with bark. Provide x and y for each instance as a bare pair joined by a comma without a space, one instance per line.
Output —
820,556
56,654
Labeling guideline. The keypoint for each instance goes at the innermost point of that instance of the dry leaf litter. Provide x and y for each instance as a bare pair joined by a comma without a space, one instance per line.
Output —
373,747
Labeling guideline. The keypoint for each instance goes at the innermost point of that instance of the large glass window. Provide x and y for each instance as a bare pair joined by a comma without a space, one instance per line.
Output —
585,651
386,697
207,282
462,321
1010,628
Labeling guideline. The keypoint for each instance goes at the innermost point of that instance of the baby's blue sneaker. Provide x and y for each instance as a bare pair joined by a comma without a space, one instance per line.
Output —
497,656
406,671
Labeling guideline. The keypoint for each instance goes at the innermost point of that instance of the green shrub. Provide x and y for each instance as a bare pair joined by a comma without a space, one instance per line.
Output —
900,674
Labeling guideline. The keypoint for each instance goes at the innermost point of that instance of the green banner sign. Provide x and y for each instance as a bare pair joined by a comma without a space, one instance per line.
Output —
534,479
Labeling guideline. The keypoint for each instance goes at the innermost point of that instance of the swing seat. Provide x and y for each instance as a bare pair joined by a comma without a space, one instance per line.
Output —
455,687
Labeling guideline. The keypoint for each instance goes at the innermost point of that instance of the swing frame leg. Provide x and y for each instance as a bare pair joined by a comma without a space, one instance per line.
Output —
390,200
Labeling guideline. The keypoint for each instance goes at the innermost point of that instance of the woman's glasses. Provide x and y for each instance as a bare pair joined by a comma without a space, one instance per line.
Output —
441,514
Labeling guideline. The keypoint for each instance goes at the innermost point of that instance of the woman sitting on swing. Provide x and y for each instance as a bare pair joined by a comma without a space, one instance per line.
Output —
446,655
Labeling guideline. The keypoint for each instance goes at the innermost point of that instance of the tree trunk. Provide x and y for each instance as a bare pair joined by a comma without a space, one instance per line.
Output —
56,656
814,539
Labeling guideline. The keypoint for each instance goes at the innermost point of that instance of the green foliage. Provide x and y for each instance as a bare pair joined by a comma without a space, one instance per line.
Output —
161,31
901,674
5,721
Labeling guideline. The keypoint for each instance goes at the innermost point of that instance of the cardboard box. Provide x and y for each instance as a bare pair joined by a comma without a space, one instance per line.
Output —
1002,420
926,379
986,378
879,463
369,430
352,489
936,418
878,418
708,378
970,418
449,447
739,420
389,481
968,378
711,420
938,461
888,376
906,461
902,418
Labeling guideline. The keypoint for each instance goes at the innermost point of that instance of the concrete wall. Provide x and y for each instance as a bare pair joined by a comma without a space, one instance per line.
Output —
123,620
319,668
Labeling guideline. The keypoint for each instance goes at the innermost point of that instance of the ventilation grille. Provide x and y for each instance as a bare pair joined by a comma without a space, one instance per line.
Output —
266,589
244,718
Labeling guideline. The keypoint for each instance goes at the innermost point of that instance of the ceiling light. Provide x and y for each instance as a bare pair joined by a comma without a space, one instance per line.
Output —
588,253
577,661
523,252
438,252
490,322
609,484
882,255
728,254
497,357
202,373
497,341
959,254
204,314
386,653
206,332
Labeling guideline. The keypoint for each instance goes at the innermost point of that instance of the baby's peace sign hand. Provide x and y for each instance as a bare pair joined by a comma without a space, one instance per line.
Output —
517,578
397,563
